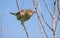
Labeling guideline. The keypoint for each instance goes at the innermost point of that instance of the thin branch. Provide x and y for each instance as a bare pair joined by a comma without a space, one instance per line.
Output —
38,4
22,4
44,19
40,23
34,3
42,34
59,8
1,27
58,4
54,14
54,20
46,23
18,5
57,21
58,13
47,8
25,30
54,9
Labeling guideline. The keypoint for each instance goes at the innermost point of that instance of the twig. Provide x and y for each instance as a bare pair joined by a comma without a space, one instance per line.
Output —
58,13
1,28
40,23
22,4
18,6
38,5
42,34
59,8
44,19
47,8
46,23
54,20
25,30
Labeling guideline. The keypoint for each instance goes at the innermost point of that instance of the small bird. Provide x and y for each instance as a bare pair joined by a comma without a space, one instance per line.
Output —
24,15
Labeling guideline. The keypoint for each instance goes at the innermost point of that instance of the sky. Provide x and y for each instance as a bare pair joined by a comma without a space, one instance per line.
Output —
11,27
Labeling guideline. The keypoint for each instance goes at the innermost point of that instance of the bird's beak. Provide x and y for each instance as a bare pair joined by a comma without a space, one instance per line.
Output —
13,14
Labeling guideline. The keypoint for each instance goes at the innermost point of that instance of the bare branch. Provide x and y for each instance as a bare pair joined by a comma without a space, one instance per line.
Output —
54,20
42,34
59,8
34,2
40,23
47,23
25,30
54,14
18,5
1,19
54,8
22,5
58,13
47,8
43,18
38,4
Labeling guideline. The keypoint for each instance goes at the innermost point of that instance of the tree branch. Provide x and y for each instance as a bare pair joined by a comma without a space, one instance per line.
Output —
58,13
38,4
54,20
46,23
47,8
18,5
25,30
43,18
59,8
40,23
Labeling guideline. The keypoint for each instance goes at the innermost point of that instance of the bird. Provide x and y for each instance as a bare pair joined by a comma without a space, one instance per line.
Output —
24,15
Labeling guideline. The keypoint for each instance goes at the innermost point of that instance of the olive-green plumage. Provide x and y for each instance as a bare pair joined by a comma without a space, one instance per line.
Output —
24,15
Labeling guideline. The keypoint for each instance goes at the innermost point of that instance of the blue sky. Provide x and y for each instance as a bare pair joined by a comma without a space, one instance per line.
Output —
11,27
